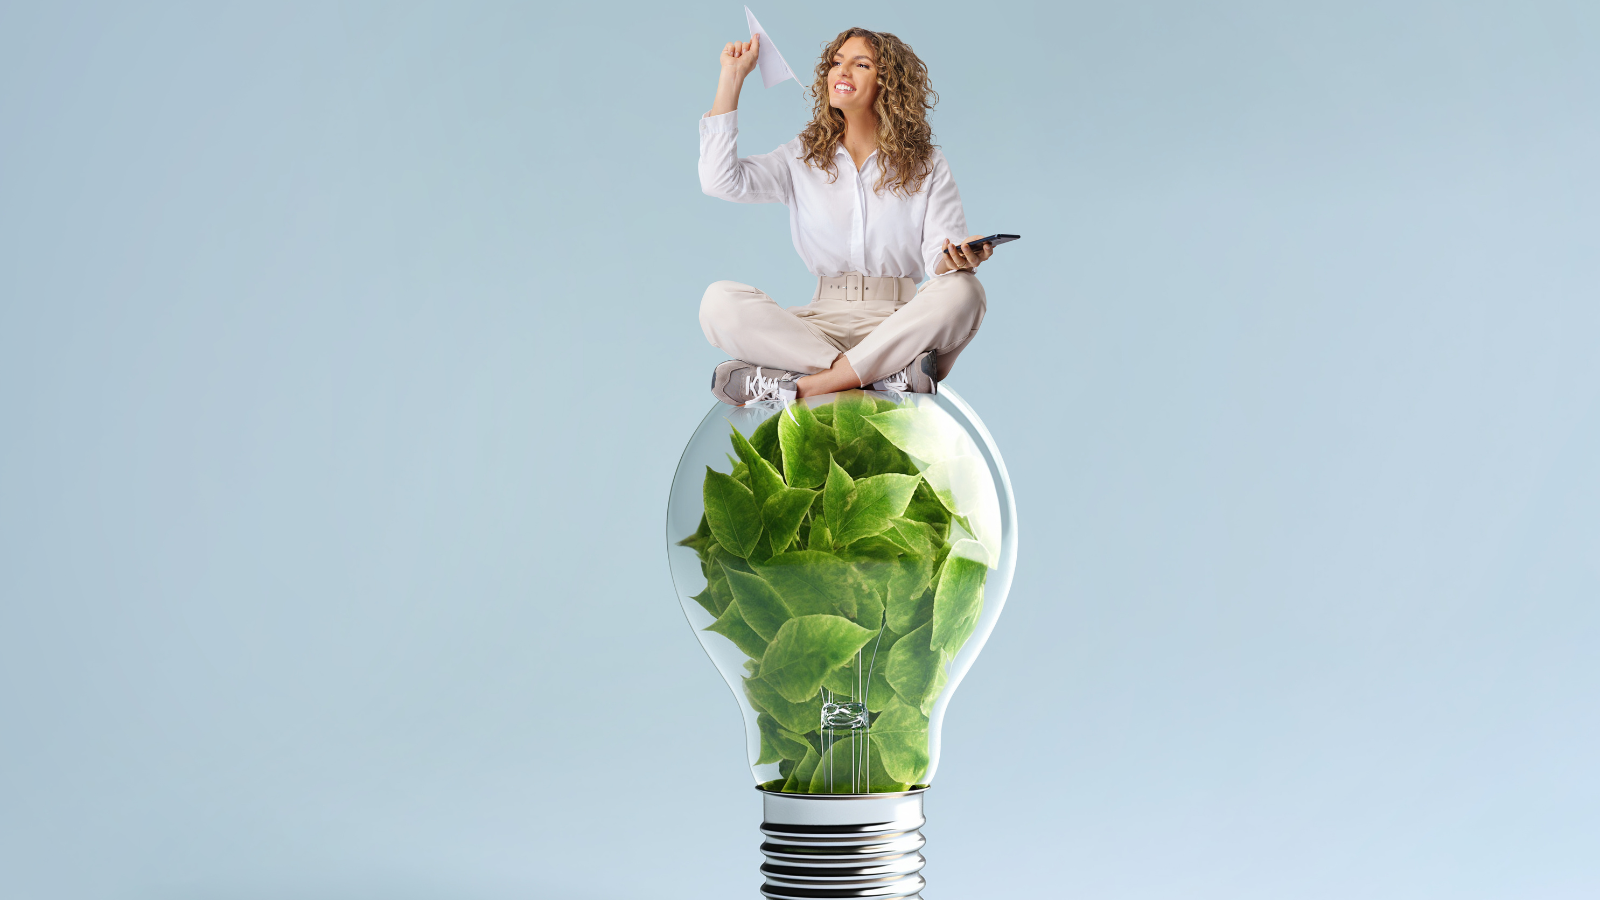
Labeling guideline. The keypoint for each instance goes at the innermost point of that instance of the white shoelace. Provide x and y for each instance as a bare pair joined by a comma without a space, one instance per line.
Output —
899,381
760,387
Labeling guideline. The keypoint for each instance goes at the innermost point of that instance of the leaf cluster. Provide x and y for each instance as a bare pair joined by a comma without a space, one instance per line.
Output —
827,563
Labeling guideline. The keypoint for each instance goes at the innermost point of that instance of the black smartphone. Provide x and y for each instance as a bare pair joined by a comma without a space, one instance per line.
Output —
996,239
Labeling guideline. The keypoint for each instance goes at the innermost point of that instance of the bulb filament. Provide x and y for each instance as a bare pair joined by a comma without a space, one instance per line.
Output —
846,719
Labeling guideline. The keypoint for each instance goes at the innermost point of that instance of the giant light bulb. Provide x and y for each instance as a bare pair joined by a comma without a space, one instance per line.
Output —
842,560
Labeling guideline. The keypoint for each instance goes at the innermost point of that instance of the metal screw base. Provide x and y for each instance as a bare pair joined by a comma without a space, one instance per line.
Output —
825,846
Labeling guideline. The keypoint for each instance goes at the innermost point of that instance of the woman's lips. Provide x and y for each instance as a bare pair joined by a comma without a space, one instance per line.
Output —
844,88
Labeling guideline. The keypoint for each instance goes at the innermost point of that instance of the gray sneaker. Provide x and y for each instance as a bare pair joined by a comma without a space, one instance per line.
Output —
921,377
736,383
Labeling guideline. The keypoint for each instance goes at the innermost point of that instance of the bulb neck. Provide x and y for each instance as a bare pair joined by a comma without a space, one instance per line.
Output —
835,846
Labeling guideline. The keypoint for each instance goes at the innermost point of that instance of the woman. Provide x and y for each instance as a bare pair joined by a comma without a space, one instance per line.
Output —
872,207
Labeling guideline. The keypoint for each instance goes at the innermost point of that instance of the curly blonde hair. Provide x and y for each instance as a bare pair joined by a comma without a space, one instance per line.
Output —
905,96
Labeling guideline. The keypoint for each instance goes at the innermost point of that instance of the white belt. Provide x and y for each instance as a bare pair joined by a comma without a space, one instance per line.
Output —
855,286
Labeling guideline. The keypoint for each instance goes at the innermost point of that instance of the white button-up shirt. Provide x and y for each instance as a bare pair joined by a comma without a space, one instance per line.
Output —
844,226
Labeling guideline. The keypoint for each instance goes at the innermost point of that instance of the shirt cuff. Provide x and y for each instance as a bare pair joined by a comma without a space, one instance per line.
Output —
727,123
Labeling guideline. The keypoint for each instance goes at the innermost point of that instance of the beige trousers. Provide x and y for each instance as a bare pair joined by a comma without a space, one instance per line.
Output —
879,336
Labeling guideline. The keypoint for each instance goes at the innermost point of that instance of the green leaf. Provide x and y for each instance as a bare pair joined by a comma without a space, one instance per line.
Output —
764,478
940,677
874,562
799,781
807,446
869,608
705,599
778,742
957,603
805,649
769,747
873,455
876,548
837,494
849,765
925,507
879,692
863,450
913,538
717,591
926,434
819,538
762,551
732,512
885,495
906,582
908,577
800,718
765,440
848,409
916,670
701,537
732,626
759,604
741,446
812,582
782,514
909,614
939,556
858,509
719,557
716,565
900,740
833,772
842,682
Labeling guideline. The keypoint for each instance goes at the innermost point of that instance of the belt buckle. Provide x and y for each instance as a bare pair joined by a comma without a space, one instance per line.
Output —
852,286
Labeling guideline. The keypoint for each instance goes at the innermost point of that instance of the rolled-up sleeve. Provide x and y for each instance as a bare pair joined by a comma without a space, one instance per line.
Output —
945,217
754,179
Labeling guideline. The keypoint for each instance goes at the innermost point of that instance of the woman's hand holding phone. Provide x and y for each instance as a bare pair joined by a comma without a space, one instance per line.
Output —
962,257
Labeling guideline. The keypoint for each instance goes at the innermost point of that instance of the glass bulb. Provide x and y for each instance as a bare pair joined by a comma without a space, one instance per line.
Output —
842,560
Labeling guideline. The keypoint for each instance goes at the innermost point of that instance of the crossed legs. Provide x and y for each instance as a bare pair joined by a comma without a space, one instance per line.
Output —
841,345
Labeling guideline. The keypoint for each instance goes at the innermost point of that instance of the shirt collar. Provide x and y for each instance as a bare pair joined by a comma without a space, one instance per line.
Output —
839,149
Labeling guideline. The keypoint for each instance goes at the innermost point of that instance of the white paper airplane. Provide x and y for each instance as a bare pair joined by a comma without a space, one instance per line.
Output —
773,68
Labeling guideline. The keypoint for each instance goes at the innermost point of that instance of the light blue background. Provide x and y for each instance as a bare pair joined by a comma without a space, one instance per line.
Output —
346,353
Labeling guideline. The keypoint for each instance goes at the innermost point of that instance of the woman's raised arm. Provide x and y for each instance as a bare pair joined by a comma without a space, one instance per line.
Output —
754,179
738,58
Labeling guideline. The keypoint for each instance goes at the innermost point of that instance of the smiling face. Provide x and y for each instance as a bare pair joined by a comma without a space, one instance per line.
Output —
850,74
853,79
